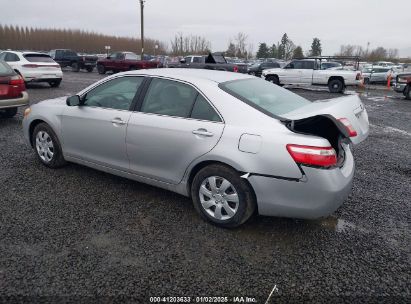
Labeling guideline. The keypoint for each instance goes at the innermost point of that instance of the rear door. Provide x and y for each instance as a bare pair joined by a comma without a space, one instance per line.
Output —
307,72
349,107
175,125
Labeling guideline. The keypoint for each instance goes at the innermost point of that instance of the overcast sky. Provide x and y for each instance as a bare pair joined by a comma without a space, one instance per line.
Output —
379,22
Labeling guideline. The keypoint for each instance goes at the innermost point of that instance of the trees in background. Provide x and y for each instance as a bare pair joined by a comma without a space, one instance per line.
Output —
184,45
263,51
298,52
239,46
24,38
316,48
377,54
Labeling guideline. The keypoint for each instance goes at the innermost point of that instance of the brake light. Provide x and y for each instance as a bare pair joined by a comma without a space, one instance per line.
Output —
30,65
235,69
16,80
313,156
358,77
348,126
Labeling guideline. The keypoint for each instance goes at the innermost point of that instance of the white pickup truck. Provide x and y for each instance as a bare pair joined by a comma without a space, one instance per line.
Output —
308,72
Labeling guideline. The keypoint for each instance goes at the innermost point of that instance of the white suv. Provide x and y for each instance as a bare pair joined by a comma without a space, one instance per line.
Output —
34,67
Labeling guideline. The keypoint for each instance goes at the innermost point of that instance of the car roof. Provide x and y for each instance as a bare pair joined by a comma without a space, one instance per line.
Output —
192,75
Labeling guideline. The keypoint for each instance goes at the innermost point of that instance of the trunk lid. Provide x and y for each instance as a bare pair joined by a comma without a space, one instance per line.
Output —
349,107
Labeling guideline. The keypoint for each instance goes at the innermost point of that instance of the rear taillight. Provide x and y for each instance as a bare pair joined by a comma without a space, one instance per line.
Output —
348,127
313,156
235,69
30,66
16,80
358,77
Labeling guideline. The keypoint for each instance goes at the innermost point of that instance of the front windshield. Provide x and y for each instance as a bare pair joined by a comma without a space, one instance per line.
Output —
264,96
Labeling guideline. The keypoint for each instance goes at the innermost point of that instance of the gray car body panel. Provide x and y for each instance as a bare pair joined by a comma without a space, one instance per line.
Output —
269,168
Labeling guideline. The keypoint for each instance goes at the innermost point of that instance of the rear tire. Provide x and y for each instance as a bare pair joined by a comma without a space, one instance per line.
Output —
89,69
336,86
8,113
366,81
273,78
47,146
224,206
55,83
75,67
101,69
407,92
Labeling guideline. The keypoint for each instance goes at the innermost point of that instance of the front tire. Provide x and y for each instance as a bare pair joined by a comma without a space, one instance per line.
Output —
75,67
407,92
101,69
8,113
55,83
47,146
336,86
273,78
222,197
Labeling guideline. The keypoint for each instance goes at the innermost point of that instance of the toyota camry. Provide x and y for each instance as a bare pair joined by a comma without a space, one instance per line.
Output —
237,145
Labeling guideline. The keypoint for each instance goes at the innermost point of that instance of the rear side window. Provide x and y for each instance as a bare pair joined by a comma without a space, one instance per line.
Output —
167,97
10,57
38,58
264,96
5,69
203,110
308,65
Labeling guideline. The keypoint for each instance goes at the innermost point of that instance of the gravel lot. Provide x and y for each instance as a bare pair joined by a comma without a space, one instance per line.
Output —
74,234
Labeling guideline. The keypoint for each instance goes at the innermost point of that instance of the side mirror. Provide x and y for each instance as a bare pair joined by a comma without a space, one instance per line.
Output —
73,101
183,60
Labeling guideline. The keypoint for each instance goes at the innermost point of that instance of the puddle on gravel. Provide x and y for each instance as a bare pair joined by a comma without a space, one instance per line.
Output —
335,224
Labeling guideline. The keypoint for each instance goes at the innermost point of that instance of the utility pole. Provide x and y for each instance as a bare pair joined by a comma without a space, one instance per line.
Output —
142,28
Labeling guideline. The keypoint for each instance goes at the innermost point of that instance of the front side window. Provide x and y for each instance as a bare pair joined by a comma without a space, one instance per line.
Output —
114,94
264,96
167,97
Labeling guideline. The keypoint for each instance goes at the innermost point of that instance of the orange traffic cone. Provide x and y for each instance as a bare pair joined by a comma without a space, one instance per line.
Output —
389,81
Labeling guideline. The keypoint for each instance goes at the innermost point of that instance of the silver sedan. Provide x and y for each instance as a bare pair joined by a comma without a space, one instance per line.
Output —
237,145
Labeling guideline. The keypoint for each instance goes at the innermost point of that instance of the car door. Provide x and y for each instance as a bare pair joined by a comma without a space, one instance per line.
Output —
292,73
307,72
173,126
95,131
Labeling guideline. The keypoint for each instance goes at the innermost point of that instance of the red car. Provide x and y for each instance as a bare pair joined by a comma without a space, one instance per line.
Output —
12,91
124,61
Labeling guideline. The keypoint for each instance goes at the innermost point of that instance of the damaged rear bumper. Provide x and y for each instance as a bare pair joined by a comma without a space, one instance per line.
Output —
318,194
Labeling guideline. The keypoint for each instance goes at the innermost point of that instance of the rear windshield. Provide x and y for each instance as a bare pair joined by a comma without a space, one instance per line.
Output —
264,96
38,58
5,69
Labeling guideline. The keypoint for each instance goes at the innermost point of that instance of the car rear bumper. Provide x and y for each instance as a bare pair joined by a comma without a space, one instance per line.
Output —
400,87
42,77
319,194
16,102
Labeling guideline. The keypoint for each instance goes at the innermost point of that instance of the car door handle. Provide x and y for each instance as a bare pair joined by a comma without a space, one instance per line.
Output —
202,132
118,121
